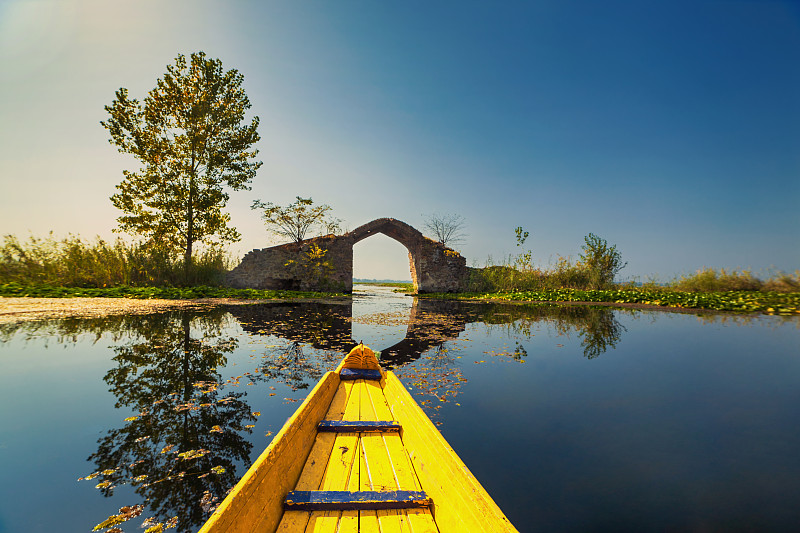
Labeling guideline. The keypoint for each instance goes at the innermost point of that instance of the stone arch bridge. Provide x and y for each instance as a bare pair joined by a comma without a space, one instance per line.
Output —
434,267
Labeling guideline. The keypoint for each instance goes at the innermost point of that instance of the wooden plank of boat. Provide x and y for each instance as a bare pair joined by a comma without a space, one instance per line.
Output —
362,456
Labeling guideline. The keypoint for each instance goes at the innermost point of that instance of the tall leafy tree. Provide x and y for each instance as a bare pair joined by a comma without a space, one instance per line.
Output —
190,136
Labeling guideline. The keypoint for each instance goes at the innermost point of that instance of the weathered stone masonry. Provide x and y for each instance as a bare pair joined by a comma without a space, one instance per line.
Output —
434,267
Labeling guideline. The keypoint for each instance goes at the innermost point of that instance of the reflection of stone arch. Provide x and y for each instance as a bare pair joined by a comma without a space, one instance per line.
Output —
434,267
431,323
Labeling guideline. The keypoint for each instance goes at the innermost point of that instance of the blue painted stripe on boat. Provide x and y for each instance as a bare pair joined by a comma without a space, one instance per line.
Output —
359,373
342,500
344,426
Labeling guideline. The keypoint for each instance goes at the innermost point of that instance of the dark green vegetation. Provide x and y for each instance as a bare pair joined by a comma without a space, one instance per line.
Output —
166,293
591,279
599,263
190,137
773,303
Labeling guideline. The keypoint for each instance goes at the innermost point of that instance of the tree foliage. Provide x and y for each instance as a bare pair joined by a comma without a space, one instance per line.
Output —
448,229
603,261
190,137
295,220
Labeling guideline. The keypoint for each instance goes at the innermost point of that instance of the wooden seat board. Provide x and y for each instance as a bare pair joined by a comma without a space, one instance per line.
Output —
359,461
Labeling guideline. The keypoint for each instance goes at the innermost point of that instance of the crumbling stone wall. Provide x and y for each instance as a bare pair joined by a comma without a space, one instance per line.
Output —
434,267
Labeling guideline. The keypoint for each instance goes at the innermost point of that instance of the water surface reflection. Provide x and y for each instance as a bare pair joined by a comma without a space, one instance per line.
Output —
192,398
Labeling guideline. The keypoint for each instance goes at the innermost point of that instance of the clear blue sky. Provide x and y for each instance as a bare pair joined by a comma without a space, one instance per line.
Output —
672,128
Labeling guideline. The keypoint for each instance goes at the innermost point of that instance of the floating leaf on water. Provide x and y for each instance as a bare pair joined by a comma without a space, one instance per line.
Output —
108,471
193,454
140,478
140,439
103,485
158,528
215,429
256,413
250,426
218,470
167,448
131,418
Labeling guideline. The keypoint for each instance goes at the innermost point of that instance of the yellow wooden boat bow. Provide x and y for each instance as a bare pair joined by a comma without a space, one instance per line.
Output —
358,455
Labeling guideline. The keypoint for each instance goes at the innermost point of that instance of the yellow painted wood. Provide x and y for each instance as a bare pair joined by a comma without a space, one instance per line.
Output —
460,502
399,465
368,520
256,502
339,467
416,459
317,462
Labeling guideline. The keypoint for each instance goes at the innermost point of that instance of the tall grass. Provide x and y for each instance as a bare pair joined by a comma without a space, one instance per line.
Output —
713,280
567,274
511,275
75,262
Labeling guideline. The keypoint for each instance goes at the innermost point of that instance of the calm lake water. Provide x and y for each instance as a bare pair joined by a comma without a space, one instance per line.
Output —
573,418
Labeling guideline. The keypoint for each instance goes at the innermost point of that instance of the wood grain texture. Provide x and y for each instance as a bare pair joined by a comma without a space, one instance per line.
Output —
256,502
361,357
460,503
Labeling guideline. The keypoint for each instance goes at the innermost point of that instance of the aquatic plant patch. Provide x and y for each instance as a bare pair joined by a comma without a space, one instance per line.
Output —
164,293
771,303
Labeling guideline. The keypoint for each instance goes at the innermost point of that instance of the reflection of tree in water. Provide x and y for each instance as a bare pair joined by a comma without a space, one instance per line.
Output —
182,448
290,365
324,326
597,326
602,331
319,335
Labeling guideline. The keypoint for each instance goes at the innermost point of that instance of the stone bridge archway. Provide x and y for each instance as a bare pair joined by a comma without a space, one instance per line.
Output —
434,267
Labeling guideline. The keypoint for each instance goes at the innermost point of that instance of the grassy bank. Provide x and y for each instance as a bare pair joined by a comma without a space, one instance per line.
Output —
171,293
76,262
773,303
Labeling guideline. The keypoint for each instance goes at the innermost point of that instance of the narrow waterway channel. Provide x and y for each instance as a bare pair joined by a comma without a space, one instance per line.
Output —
574,418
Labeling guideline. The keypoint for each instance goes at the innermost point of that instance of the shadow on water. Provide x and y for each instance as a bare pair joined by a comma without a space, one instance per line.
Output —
180,453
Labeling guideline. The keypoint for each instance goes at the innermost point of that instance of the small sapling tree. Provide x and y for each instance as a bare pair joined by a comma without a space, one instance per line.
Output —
190,136
601,260
295,220
447,229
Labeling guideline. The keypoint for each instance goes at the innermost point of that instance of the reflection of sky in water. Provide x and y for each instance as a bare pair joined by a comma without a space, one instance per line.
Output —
380,316
674,423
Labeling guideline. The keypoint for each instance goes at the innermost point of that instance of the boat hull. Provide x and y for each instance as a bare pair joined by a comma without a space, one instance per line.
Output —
303,457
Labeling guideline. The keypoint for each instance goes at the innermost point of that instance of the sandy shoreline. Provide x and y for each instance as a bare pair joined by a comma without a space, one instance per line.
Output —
23,309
